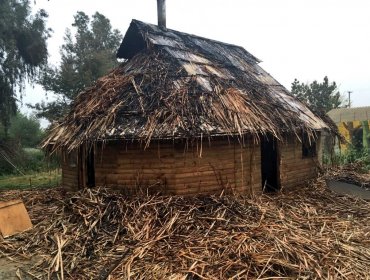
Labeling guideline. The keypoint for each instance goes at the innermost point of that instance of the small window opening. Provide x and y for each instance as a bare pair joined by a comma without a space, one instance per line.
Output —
308,147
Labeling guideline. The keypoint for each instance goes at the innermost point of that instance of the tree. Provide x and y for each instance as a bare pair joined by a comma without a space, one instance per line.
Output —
17,148
321,97
85,56
23,52
24,131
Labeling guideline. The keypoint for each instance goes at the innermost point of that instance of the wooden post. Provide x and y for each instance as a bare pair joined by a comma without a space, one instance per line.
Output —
161,9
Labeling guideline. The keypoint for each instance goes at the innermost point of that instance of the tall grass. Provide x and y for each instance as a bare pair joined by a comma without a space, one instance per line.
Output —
349,156
44,179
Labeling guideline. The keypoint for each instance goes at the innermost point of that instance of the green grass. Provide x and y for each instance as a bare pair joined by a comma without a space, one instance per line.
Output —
34,180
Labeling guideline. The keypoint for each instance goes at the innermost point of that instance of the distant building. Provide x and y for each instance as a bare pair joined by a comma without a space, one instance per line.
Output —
353,124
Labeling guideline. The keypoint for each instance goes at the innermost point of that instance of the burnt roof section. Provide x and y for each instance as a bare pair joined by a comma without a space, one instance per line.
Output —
176,85
142,35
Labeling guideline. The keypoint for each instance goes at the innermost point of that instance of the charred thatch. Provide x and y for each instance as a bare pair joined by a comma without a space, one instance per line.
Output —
176,85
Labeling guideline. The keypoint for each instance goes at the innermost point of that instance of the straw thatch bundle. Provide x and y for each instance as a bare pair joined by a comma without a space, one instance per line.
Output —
311,233
176,85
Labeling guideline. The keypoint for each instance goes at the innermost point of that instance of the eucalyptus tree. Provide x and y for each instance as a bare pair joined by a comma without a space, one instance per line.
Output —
322,97
88,52
23,52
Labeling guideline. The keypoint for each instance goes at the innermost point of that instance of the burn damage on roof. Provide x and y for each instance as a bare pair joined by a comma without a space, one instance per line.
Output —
177,85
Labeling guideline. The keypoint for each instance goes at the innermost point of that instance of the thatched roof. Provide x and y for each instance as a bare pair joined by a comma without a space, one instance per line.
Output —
176,85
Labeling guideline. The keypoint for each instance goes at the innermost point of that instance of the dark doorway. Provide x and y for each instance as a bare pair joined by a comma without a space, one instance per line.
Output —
90,168
270,164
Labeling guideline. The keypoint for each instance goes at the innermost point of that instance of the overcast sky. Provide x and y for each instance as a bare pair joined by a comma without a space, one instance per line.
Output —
303,39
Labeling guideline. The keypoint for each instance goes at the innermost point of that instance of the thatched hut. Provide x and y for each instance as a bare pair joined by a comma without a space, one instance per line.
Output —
186,115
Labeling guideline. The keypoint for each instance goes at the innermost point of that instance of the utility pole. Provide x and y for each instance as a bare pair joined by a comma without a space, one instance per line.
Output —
349,99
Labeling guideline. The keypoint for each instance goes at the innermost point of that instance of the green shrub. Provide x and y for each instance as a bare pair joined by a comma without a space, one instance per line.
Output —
27,160
351,155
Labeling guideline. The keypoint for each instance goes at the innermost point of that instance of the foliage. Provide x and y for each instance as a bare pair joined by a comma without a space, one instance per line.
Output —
23,51
85,56
23,131
322,97
24,161
17,153
349,156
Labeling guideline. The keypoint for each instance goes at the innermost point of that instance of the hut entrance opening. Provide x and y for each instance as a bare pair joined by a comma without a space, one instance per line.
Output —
90,168
86,168
269,164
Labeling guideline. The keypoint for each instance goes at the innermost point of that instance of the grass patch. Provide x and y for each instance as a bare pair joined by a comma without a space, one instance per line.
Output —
32,180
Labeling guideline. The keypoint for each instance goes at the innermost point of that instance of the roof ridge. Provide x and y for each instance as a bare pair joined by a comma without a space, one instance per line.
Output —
194,35
139,28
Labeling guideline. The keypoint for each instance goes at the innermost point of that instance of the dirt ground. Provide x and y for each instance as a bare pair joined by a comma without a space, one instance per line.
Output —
349,189
9,269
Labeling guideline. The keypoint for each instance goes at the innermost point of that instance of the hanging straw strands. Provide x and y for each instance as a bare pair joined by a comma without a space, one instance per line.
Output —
95,234
195,87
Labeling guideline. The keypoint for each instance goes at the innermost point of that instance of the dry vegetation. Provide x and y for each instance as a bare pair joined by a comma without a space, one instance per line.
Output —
97,234
353,173
160,94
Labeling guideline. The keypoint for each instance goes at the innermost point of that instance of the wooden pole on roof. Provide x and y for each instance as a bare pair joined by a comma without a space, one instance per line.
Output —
161,9
349,99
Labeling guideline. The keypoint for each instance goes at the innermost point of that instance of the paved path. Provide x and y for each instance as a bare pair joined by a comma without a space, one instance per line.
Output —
345,188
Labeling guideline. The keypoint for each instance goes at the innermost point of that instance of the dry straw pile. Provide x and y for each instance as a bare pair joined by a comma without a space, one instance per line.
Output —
352,173
97,234
143,99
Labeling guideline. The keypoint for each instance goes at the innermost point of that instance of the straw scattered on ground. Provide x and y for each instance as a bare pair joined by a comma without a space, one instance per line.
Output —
353,173
310,233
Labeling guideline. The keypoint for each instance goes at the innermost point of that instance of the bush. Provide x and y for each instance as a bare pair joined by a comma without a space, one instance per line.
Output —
27,160
34,160
351,155
18,142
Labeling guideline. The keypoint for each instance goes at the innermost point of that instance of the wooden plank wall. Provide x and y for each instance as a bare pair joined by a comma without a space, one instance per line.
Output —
127,165
221,165
201,168
69,171
294,169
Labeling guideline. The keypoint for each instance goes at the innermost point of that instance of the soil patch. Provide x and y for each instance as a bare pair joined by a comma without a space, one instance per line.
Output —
350,189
